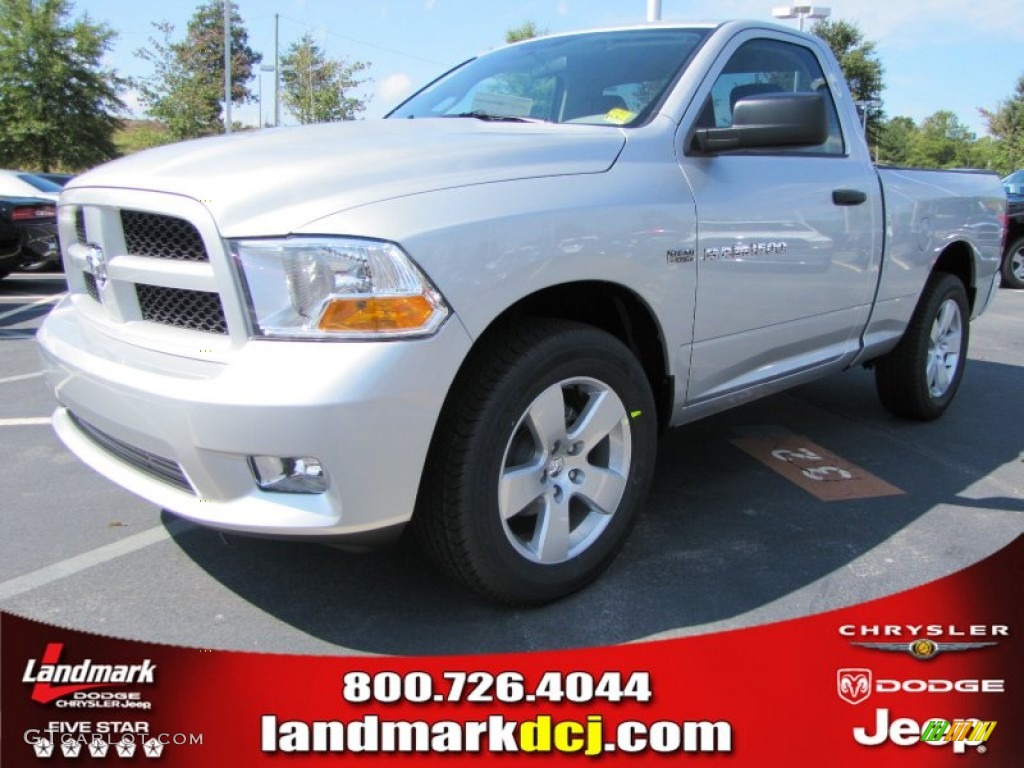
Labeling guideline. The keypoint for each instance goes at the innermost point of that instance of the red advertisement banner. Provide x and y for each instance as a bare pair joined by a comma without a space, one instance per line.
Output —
929,677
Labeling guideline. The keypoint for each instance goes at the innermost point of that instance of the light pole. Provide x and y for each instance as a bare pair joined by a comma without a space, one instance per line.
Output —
802,12
654,10
865,108
264,68
277,74
227,66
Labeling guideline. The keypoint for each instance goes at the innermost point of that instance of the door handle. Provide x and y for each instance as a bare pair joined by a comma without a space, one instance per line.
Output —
848,196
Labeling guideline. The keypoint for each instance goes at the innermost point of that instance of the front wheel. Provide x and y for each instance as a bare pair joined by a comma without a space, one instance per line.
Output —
542,458
1013,265
919,378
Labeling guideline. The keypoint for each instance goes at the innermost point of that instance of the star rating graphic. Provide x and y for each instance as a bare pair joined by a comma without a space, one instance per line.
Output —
98,747
71,748
125,748
43,748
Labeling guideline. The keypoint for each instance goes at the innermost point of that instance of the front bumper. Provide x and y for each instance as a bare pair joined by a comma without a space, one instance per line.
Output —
367,411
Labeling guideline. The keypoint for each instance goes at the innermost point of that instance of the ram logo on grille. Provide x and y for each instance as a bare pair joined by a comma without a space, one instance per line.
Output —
97,262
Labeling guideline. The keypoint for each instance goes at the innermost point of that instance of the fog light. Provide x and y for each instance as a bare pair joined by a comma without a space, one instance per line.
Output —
289,474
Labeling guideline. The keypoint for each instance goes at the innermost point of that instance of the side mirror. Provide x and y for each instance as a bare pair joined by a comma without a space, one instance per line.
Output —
769,120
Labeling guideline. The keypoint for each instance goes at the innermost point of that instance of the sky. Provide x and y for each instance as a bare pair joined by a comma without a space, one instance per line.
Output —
950,55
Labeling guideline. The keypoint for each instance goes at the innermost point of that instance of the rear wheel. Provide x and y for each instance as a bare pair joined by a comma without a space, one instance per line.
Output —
542,459
920,377
1013,265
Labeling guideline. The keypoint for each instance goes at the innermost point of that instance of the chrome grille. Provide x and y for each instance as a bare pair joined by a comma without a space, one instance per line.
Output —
80,225
158,467
162,237
90,285
157,263
182,308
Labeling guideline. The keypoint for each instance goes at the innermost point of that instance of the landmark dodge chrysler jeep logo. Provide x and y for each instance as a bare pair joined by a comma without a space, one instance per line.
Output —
79,677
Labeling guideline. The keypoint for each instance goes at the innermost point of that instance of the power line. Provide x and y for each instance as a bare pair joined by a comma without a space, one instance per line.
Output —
328,33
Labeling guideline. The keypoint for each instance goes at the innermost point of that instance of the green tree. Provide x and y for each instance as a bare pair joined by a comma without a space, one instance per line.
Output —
525,31
136,135
986,153
58,105
1006,124
186,89
942,141
896,140
318,89
859,61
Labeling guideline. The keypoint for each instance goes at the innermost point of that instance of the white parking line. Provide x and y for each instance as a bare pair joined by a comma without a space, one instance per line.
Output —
19,585
22,377
29,422
47,300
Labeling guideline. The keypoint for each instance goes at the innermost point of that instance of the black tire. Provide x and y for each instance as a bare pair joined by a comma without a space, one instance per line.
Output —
919,378
528,383
1013,264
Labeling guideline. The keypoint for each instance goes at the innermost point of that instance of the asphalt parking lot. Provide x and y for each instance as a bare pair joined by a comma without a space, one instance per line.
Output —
726,540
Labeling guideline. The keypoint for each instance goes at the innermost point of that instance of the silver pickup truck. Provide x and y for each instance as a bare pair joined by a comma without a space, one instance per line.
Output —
476,316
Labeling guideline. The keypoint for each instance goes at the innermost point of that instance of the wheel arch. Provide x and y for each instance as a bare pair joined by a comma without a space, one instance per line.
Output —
957,259
613,308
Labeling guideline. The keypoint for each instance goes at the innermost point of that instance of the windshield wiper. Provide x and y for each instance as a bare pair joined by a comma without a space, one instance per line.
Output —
497,118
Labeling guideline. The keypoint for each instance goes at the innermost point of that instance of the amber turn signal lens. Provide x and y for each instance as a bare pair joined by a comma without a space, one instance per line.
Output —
376,315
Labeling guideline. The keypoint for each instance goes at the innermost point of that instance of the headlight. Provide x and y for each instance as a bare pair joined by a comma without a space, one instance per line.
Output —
333,287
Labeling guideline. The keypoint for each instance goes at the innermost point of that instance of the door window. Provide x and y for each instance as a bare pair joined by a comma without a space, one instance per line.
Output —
771,66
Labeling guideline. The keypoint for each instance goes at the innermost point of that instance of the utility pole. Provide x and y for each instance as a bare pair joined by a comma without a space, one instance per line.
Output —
227,66
802,12
277,77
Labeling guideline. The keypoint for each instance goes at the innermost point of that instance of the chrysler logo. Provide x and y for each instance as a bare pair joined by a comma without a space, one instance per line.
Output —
853,685
923,648
97,264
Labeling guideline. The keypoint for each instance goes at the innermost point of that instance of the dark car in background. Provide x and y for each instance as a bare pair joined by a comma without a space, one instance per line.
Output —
34,200
10,241
1013,257
35,221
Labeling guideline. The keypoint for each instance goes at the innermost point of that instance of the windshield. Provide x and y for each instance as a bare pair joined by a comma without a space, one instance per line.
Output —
598,78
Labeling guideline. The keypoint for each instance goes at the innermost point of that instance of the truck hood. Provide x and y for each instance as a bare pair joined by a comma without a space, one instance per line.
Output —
272,182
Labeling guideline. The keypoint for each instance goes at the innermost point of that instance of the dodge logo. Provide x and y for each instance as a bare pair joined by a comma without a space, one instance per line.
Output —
853,685
97,264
